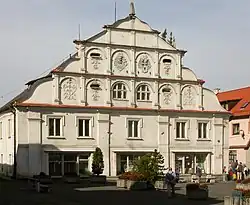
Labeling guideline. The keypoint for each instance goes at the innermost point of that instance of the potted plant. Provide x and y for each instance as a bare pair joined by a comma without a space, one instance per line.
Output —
122,180
197,191
136,181
97,167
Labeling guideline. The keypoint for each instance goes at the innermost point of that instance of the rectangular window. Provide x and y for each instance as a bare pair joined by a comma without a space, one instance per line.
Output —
1,130
181,130
202,130
232,156
133,130
84,127
236,129
1,163
9,128
55,127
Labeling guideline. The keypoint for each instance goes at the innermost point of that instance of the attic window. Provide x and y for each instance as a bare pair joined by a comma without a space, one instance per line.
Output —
95,86
166,90
244,105
95,55
166,60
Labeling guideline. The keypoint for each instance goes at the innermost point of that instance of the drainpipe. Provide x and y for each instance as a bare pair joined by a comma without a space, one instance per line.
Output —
14,174
109,141
223,146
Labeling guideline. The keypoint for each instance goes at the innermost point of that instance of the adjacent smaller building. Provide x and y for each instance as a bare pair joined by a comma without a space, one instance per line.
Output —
238,103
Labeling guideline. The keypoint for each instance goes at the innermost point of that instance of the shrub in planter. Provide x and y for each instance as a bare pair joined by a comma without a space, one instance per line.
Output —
150,166
97,164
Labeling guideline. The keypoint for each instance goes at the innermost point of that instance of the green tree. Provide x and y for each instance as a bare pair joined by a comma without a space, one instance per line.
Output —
150,165
97,164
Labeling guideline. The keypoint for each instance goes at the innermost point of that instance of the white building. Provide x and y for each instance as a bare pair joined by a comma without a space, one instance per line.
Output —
126,91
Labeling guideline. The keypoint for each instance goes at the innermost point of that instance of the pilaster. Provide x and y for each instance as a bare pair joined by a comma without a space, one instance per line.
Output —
56,87
178,97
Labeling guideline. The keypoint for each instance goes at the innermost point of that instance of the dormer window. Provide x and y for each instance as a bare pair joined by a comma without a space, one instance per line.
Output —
244,105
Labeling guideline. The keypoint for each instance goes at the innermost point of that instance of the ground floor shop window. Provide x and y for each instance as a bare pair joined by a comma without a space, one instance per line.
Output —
186,163
125,162
68,163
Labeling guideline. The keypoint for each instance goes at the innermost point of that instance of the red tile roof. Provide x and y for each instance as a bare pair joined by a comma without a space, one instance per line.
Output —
243,97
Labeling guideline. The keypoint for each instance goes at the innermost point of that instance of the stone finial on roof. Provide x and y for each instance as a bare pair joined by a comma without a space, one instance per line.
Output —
164,34
171,38
174,42
132,8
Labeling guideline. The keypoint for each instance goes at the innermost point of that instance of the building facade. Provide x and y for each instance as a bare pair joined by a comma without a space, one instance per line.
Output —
238,103
126,91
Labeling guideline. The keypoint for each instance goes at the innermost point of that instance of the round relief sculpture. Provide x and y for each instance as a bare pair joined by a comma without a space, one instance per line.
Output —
120,61
144,63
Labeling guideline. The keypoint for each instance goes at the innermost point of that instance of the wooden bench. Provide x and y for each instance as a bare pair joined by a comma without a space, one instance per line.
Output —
38,187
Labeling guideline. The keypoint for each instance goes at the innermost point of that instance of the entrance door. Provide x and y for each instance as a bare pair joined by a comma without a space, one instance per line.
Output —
84,165
70,160
55,164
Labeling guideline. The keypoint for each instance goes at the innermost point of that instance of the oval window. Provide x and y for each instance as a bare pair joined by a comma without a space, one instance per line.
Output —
166,60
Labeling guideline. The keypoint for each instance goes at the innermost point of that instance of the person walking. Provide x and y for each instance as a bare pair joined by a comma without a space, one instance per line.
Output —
170,182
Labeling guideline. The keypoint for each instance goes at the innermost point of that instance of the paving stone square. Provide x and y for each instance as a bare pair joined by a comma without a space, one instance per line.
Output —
18,193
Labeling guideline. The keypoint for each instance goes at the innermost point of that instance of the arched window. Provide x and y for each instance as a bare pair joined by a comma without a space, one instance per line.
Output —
143,93
119,91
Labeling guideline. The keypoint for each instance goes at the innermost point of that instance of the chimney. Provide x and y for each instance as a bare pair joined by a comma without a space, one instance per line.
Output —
216,91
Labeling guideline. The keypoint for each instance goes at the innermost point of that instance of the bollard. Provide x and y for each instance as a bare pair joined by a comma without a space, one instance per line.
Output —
227,200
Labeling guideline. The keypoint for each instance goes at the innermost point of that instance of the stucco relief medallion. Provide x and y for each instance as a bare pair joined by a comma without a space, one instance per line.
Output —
167,95
144,63
69,89
96,63
120,61
95,88
188,97
167,68
95,95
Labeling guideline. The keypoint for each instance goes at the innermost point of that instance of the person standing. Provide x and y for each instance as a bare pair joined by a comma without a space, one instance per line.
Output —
239,170
198,173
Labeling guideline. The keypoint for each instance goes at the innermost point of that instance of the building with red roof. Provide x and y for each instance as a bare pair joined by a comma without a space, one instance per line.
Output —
237,102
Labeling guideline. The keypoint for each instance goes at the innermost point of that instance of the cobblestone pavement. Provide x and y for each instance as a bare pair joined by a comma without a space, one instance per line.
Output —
18,193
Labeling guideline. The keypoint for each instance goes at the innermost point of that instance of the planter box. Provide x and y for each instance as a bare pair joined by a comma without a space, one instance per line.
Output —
136,185
160,185
101,179
121,183
197,194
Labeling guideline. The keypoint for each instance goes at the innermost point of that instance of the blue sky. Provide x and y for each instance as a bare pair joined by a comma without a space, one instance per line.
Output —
35,35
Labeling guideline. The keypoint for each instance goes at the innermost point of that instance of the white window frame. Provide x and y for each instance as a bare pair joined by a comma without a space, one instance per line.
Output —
233,133
62,124
1,130
207,129
140,126
187,127
91,125
147,92
123,91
